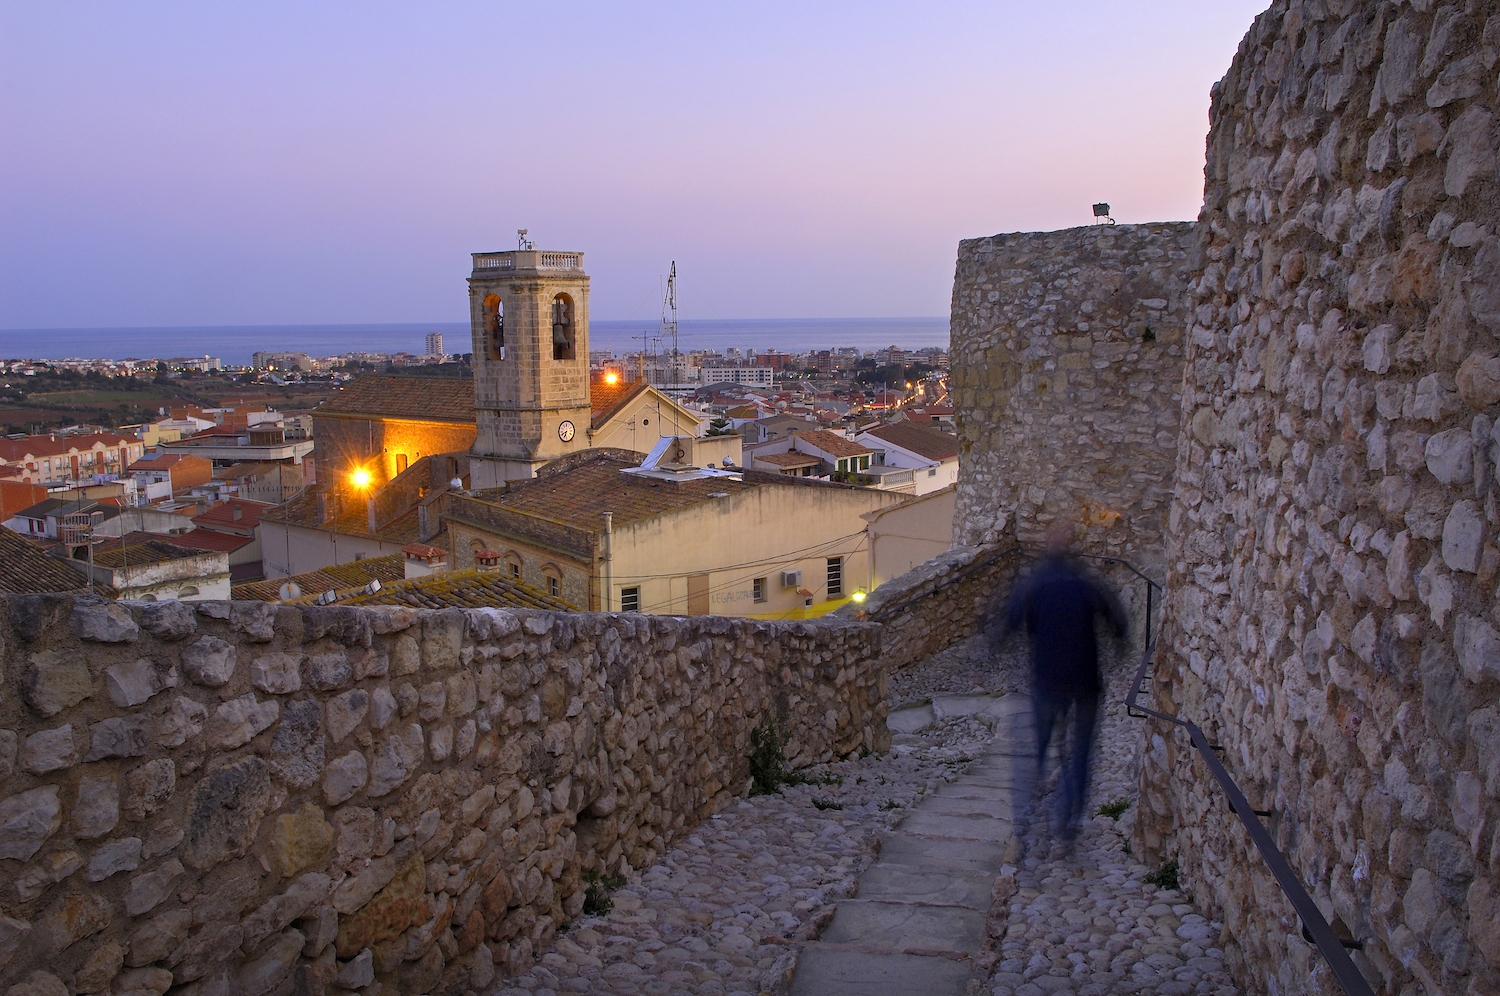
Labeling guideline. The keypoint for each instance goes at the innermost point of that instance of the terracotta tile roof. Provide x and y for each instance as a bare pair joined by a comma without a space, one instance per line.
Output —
355,574
26,570
923,439
579,497
470,589
832,443
49,445
788,459
354,520
222,514
136,550
205,539
430,399
604,397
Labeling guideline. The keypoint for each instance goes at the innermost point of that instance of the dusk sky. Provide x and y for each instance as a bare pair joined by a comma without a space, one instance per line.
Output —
216,164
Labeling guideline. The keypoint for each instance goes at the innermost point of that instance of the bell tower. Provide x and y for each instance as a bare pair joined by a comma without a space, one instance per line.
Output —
529,316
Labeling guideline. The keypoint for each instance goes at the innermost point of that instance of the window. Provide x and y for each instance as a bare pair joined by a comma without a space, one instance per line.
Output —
554,586
187,592
562,327
513,564
835,577
864,463
630,599
758,589
932,472
400,463
843,466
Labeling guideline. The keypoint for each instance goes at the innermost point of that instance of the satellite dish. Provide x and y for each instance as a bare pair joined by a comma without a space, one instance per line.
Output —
290,590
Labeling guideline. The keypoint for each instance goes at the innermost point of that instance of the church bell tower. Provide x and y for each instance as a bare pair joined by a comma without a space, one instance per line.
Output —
529,315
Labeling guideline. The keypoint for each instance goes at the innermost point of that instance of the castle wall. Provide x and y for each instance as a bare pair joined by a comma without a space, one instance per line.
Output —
1066,361
254,798
1332,587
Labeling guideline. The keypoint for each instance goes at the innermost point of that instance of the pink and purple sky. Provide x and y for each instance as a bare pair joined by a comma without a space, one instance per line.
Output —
286,162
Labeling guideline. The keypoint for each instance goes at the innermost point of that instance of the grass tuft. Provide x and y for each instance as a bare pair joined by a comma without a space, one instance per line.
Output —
1164,877
1114,810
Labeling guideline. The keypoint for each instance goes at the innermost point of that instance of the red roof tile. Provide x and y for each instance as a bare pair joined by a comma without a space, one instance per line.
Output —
832,443
428,399
923,439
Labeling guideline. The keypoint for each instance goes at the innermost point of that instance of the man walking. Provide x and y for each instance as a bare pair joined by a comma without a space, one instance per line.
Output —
1058,606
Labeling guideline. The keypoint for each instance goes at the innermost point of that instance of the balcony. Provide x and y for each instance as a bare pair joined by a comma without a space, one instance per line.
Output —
527,259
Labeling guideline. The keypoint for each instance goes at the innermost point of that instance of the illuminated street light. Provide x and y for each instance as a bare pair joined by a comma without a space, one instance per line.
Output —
859,596
360,478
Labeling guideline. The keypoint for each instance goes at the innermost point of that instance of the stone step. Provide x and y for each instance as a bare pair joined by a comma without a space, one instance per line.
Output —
927,884
822,971
995,805
906,928
960,827
975,855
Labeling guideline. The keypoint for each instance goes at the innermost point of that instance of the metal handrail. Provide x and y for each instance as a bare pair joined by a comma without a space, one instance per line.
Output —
1314,927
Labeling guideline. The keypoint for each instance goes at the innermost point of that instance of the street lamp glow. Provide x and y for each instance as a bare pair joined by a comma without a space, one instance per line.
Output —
859,596
360,478
611,378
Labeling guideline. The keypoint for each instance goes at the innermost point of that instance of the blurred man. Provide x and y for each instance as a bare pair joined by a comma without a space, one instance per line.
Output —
1058,606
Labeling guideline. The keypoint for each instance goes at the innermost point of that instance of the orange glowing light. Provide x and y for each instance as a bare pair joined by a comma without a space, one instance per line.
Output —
360,478
611,378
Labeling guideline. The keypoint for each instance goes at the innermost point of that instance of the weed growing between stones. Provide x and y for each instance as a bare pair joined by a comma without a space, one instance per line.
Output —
825,804
768,759
890,804
1164,877
1149,335
596,901
1115,809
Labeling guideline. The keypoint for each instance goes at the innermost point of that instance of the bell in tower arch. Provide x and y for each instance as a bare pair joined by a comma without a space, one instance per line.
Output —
562,327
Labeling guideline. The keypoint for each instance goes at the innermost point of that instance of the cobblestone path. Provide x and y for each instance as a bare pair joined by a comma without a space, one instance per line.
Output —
1083,921
754,900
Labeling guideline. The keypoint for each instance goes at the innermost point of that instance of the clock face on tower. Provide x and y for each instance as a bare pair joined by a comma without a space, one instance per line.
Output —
565,431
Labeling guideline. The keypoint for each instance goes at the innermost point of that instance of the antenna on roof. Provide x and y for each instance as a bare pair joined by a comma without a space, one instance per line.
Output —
669,324
522,242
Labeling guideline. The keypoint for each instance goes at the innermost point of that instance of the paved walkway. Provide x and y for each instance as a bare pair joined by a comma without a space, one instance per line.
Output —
921,914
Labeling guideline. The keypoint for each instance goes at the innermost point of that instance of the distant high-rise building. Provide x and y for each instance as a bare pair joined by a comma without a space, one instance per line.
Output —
435,344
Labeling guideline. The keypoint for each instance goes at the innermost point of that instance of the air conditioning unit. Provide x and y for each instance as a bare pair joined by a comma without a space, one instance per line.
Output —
791,579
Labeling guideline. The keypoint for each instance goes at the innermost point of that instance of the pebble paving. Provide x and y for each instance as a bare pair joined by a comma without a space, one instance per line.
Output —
732,904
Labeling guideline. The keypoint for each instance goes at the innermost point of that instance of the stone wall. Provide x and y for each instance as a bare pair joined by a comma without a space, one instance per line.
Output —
1332,589
938,603
247,798
1067,360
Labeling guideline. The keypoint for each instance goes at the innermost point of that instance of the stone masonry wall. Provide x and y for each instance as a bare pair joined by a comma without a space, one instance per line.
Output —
938,603
1332,615
1067,360
232,799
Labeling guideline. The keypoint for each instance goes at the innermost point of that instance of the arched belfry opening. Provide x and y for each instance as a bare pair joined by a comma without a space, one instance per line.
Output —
562,327
494,327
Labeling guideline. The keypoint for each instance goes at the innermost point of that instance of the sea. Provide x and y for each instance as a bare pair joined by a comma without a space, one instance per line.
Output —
234,344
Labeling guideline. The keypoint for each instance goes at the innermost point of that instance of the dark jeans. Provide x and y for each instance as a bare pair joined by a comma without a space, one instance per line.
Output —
1051,711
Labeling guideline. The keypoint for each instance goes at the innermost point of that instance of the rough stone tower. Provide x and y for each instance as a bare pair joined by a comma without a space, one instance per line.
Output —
529,313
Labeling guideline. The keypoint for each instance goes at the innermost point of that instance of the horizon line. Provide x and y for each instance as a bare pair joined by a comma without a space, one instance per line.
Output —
337,325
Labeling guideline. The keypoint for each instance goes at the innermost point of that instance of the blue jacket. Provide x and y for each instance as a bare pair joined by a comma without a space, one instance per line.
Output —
1057,606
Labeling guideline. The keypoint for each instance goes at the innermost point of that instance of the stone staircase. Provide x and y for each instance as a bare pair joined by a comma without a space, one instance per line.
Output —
919,920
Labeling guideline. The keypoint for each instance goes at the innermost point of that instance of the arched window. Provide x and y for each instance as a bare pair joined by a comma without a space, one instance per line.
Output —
188,592
562,327
147,598
552,578
512,564
494,328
